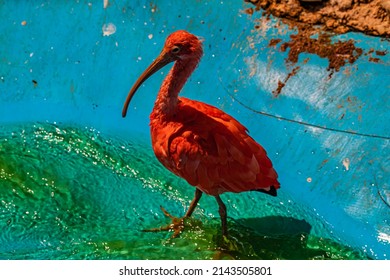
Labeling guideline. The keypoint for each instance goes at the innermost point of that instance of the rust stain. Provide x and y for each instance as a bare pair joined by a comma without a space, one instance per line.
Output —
274,42
281,85
325,161
249,11
337,53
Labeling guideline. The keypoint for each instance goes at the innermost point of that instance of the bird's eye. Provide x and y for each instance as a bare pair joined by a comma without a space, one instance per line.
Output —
175,49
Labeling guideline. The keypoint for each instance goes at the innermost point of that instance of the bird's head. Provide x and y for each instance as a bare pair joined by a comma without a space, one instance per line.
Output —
179,46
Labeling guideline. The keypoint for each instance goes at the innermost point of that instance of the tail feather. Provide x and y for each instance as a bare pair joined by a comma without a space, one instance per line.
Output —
271,191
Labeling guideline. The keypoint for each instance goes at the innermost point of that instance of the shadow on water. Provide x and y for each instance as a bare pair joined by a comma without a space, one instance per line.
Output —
276,225
278,237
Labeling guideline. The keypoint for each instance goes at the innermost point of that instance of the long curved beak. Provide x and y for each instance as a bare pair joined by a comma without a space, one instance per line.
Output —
163,59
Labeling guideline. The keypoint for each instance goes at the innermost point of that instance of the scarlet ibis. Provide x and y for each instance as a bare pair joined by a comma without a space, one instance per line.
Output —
210,149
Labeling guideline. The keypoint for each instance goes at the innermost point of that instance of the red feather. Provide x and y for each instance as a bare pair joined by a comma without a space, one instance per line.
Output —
211,150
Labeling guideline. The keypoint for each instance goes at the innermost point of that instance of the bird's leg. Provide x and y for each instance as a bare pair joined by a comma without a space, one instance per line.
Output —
194,203
177,224
223,215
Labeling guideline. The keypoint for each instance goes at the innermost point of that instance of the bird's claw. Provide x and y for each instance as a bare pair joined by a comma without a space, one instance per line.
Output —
177,225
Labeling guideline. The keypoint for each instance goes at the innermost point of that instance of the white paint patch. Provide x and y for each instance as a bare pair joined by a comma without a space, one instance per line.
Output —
384,237
314,130
346,163
108,29
310,85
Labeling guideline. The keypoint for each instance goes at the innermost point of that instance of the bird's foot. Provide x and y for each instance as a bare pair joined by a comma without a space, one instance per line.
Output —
177,225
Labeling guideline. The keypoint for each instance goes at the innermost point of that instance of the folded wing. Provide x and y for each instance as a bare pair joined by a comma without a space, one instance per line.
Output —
214,152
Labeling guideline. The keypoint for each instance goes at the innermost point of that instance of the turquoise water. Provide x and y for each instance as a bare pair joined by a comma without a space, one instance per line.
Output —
69,192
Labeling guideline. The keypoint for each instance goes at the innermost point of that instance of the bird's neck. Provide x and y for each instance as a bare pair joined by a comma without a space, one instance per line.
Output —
167,99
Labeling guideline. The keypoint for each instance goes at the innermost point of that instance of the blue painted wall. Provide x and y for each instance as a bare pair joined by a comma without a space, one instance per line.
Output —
56,65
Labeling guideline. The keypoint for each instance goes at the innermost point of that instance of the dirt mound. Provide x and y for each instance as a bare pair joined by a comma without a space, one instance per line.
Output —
317,23
368,16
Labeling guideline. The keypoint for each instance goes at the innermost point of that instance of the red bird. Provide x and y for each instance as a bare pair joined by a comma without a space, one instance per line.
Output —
198,142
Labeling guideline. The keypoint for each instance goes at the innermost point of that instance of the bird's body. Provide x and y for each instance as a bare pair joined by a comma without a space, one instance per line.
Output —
198,142
210,149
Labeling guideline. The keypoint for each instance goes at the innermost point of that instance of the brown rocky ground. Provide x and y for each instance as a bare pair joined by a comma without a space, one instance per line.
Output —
368,16
324,19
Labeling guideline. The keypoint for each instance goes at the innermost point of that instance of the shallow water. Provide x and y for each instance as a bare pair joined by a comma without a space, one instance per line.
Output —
72,193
